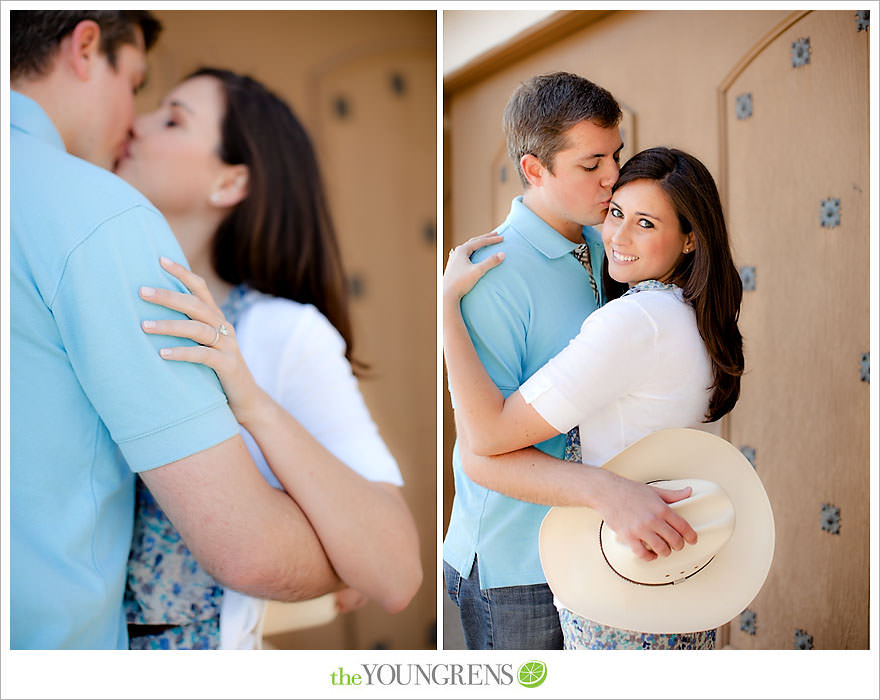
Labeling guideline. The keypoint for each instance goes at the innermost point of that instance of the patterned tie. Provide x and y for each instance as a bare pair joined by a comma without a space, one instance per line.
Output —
582,255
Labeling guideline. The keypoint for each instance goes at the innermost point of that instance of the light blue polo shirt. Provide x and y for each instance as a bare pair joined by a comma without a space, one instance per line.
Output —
519,315
91,401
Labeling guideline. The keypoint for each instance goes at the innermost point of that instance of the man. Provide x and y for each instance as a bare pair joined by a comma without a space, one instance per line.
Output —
92,400
562,134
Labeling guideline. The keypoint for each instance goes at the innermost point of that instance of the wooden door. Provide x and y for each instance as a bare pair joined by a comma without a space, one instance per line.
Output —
382,107
795,164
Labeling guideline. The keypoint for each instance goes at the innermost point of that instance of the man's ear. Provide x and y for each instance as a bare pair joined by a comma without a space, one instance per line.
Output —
231,187
80,50
533,169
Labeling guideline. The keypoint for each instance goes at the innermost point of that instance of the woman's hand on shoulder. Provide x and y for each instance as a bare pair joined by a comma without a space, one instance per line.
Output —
216,347
461,274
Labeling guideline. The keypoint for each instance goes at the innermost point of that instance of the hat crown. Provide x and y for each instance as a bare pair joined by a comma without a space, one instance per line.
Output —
711,514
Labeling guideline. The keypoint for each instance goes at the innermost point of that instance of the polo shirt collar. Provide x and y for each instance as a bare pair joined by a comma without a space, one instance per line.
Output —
546,239
27,116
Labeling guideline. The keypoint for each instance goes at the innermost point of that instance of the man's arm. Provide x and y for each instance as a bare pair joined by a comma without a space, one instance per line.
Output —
249,536
636,512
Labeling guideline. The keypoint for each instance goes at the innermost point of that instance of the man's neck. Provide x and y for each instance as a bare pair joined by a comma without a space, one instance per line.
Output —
568,229
46,94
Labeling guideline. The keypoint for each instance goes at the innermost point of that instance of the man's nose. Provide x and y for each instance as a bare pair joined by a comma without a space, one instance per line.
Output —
609,175
138,125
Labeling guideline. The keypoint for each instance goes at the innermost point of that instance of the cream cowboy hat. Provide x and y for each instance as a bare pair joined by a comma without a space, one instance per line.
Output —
698,588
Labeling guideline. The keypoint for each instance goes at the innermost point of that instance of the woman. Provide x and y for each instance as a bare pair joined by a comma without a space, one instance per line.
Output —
234,173
668,353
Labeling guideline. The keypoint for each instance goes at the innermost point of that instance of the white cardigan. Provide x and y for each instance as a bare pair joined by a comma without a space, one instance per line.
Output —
298,358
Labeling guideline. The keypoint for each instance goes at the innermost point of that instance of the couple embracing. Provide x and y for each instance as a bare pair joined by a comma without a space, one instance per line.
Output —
153,506
565,347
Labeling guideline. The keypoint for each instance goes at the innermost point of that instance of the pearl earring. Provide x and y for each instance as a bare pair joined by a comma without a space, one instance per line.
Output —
215,197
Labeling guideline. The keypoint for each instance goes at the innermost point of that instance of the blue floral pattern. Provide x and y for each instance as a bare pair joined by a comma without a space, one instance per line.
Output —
165,584
646,285
580,633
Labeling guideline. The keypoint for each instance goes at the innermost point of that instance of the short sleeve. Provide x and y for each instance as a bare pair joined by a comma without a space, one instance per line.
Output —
318,388
497,330
156,411
611,356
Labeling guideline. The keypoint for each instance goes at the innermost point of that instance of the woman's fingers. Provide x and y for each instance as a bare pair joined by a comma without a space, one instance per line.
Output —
200,332
682,526
190,280
188,304
492,261
478,242
657,544
200,354
641,549
678,523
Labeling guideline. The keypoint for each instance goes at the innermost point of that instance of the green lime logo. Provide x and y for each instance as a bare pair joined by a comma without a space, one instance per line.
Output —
531,674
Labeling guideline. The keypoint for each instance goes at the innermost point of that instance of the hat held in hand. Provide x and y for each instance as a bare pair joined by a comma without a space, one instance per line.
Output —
697,588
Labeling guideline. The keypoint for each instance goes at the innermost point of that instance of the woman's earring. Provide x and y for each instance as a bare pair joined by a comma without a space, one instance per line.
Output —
215,197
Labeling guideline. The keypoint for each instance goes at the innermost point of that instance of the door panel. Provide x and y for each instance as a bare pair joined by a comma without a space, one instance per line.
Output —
804,408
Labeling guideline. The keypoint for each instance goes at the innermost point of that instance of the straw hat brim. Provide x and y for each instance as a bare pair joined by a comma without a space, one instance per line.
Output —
581,579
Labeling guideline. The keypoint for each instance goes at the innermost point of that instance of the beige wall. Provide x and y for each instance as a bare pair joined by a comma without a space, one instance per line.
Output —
379,166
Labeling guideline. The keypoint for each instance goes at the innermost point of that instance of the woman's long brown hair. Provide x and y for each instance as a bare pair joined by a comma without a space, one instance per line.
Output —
280,239
708,278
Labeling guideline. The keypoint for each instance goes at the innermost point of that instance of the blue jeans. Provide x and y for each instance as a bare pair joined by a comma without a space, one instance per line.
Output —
510,617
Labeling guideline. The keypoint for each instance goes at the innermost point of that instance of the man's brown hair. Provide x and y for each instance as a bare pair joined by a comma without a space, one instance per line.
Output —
545,107
35,35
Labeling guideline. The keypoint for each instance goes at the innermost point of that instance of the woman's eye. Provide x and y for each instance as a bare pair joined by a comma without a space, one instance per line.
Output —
644,223
589,170
616,213
170,122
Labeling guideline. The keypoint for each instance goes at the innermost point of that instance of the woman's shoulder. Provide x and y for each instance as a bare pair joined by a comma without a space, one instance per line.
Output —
276,320
653,302
648,313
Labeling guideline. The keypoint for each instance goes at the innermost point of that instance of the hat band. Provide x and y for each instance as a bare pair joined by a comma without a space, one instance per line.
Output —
642,583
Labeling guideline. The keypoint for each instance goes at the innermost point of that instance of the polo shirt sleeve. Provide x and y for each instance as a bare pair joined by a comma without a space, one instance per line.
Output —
318,388
497,329
157,411
611,356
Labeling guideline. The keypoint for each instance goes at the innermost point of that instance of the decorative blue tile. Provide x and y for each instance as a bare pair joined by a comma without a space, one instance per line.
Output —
748,621
830,518
749,453
398,84
800,52
502,174
802,640
356,286
744,106
747,275
341,106
866,367
829,212
429,233
863,20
